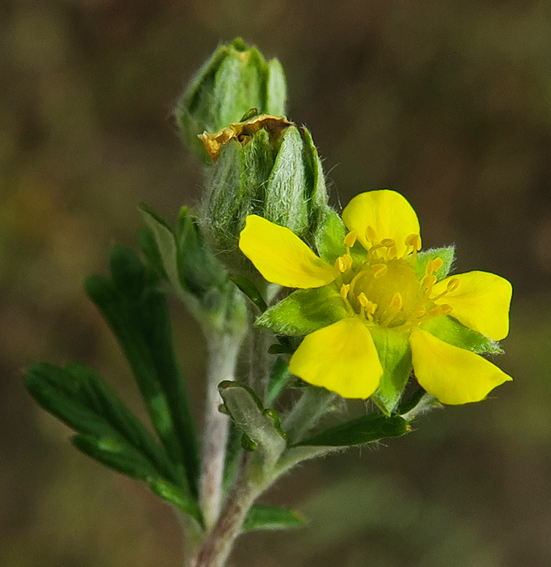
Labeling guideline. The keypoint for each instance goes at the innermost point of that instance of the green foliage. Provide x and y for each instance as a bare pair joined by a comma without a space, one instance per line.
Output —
453,332
395,356
304,311
272,518
260,425
366,429
446,253
106,429
234,80
136,310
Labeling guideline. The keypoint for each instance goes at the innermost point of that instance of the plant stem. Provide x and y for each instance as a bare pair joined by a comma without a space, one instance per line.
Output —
223,352
219,542
307,412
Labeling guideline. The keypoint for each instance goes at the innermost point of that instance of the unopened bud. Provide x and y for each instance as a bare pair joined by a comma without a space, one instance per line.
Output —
264,166
236,79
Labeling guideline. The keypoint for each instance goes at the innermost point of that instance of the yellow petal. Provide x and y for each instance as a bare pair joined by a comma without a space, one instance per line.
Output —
480,301
388,213
341,358
281,256
453,375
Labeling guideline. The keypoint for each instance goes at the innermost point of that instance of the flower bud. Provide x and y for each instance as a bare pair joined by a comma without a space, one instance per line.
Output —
264,166
236,79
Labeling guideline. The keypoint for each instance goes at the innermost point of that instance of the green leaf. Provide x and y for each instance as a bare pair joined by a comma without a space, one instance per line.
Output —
329,237
149,248
366,429
279,378
305,311
249,415
262,517
142,326
451,331
250,290
199,271
395,356
82,400
115,453
447,254
165,240
175,496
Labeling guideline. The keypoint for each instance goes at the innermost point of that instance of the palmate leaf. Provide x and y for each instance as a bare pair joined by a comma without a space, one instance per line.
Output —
106,428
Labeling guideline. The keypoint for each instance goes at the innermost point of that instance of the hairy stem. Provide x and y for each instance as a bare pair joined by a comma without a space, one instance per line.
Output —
223,353
307,412
219,542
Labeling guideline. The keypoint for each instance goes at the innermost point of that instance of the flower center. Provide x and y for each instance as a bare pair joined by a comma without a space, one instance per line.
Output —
385,289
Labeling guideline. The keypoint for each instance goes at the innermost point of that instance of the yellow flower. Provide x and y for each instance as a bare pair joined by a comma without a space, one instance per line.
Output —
383,307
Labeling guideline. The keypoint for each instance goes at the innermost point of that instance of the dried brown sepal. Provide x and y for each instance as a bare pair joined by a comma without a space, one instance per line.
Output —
243,131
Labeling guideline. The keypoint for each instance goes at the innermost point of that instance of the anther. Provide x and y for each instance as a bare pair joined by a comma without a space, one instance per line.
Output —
413,240
429,280
418,312
371,235
453,284
350,239
433,265
343,263
362,298
345,288
396,301
379,270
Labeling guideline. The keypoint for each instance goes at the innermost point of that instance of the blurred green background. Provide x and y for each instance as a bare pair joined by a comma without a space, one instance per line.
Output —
447,101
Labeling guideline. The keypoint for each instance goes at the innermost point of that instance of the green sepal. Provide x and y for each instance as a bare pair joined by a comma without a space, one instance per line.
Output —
175,496
317,191
446,253
305,311
286,202
276,88
279,378
366,429
249,415
329,237
451,331
395,357
262,517
250,290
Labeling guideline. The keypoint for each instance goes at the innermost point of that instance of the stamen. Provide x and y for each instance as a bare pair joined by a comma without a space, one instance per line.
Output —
394,308
418,312
428,281
453,284
392,252
433,265
371,235
350,239
345,288
368,307
414,241
343,263
379,270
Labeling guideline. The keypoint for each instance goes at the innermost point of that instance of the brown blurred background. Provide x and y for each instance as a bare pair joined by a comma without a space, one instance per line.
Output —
447,101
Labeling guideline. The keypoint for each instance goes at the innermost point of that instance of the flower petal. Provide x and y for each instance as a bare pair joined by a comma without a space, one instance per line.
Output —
341,358
481,302
281,256
385,211
451,374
